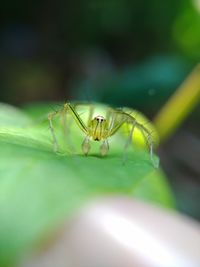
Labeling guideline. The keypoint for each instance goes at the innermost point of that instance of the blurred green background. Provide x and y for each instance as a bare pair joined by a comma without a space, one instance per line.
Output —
122,52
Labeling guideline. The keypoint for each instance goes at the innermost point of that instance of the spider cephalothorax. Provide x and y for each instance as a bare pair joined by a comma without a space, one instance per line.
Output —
100,128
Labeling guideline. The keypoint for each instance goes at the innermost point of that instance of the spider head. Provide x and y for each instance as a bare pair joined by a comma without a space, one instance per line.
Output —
99,119
98,128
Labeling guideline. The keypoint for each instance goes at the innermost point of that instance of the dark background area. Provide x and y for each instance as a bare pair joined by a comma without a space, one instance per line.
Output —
122,52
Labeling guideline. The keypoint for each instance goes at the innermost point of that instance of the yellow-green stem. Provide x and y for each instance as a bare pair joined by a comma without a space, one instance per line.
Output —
179,105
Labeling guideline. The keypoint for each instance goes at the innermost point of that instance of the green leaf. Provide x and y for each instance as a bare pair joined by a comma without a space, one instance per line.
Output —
11,116
39,188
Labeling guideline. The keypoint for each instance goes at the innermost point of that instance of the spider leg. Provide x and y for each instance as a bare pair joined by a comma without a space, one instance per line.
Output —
90,107
66,122
91,112
148,137
145,132
104,147
112,123
86,142
128,118
128,141
76,117
67,108
50,118
117,120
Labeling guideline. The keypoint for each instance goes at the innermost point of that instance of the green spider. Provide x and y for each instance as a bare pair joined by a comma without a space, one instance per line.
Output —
101,128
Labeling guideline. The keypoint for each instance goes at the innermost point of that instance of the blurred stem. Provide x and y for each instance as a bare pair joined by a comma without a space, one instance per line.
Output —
179,106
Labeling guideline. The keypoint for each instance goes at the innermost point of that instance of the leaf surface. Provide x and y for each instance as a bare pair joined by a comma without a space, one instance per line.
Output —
39,188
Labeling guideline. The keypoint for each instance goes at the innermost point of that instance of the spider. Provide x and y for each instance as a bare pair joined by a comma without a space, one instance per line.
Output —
101,128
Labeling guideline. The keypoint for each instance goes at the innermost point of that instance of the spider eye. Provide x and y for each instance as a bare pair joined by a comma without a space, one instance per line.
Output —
99,119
